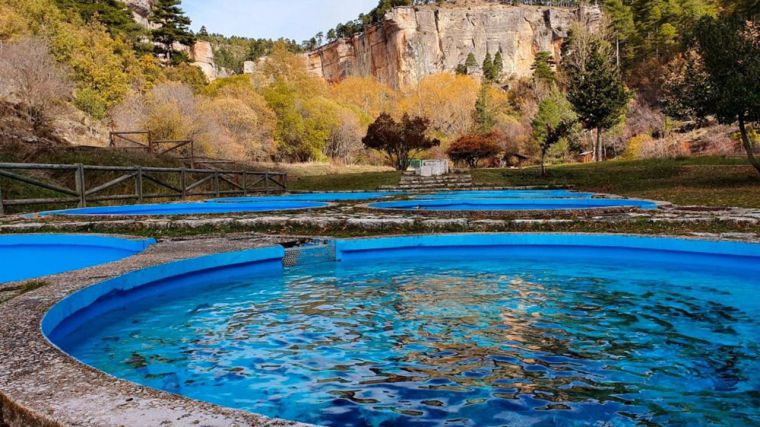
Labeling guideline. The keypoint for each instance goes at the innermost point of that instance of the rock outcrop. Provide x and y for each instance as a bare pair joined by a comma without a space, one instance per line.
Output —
413,42
141,10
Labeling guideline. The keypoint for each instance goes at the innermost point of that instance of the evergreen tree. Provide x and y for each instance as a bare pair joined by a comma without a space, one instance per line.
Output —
724,77
113,14
173,27
553,123
597,92
488,68
542,70
482,116
471,62
203,32
498,65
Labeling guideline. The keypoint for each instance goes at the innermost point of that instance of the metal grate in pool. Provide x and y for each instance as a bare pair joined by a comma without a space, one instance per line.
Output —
316,252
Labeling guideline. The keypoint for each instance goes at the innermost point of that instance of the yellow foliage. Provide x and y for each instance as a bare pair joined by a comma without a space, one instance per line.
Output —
370,97
633,149
448,100
105,69
11,24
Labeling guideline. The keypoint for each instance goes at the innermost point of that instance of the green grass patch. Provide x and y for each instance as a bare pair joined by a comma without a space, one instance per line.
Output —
706,181
345,182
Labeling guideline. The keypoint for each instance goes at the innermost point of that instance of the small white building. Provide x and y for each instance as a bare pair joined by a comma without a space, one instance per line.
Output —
433,168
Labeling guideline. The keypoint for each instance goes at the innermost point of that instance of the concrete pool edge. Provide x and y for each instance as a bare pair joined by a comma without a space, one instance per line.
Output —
40,385
129,244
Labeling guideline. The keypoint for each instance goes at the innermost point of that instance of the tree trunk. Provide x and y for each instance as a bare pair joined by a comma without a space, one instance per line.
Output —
748,144
543,165
598,148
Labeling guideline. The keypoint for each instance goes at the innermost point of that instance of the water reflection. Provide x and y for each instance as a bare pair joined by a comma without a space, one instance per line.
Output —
455,343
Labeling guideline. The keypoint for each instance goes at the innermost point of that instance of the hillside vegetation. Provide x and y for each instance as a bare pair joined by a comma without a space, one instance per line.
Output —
608,93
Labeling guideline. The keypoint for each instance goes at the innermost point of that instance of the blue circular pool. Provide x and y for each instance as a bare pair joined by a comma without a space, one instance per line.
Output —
512,204
482,330
30,256
507,194
315,197
194,208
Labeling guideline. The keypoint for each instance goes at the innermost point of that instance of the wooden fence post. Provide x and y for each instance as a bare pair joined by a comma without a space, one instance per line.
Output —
2,208
80,185
245,183
216,184
266,182
183,182
139,184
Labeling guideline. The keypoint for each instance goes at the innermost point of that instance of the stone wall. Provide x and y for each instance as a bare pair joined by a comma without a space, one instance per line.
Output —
413,42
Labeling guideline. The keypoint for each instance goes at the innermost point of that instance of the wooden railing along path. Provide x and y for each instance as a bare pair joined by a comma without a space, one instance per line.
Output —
149,183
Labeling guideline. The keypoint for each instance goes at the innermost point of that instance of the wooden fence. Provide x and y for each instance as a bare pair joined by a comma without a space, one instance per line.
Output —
149,183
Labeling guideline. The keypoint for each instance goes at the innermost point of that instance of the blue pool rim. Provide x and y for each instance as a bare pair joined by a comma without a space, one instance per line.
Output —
491,204
269,260
103,211
133,245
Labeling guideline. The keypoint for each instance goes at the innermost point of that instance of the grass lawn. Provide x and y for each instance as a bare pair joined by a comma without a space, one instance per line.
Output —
344,182
706,181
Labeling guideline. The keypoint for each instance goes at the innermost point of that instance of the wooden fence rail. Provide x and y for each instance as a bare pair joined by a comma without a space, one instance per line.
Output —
187,182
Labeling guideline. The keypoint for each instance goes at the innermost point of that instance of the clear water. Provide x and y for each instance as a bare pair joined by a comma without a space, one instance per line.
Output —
539,340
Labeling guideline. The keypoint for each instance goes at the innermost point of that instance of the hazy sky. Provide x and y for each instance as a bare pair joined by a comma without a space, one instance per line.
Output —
295,19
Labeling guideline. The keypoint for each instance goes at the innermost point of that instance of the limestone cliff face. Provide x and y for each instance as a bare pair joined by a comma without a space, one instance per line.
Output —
413,42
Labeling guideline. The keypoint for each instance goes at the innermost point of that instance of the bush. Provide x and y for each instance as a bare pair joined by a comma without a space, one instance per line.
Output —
470,149
30,76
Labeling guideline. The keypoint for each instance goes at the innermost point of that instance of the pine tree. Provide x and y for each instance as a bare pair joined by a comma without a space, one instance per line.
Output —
542,70
597,92
203,32
471,62
498,65
488,68
484,120
174,27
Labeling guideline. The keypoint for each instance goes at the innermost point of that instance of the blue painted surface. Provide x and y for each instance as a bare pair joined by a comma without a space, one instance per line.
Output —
30,256
476,329
516,204
315,197
195,208
507,194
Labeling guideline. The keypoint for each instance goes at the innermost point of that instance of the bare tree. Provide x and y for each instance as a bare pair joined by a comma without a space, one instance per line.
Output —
30,75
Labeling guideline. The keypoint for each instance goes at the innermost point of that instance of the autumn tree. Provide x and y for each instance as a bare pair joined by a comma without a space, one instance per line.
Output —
399,140
595,89
471,149
553,123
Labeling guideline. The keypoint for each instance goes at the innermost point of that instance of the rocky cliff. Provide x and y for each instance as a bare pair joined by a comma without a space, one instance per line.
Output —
413,42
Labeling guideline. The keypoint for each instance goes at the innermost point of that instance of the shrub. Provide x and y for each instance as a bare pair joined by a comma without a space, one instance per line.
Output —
470,149
399,141
30,75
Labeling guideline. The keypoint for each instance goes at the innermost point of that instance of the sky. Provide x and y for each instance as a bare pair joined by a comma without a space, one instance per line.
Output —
294,19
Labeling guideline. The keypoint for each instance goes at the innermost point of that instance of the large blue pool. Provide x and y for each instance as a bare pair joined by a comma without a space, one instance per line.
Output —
507,194
512,204
193,208
477,330
316,197
29,256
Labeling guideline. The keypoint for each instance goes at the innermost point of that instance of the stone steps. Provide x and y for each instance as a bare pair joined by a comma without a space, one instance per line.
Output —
412,182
